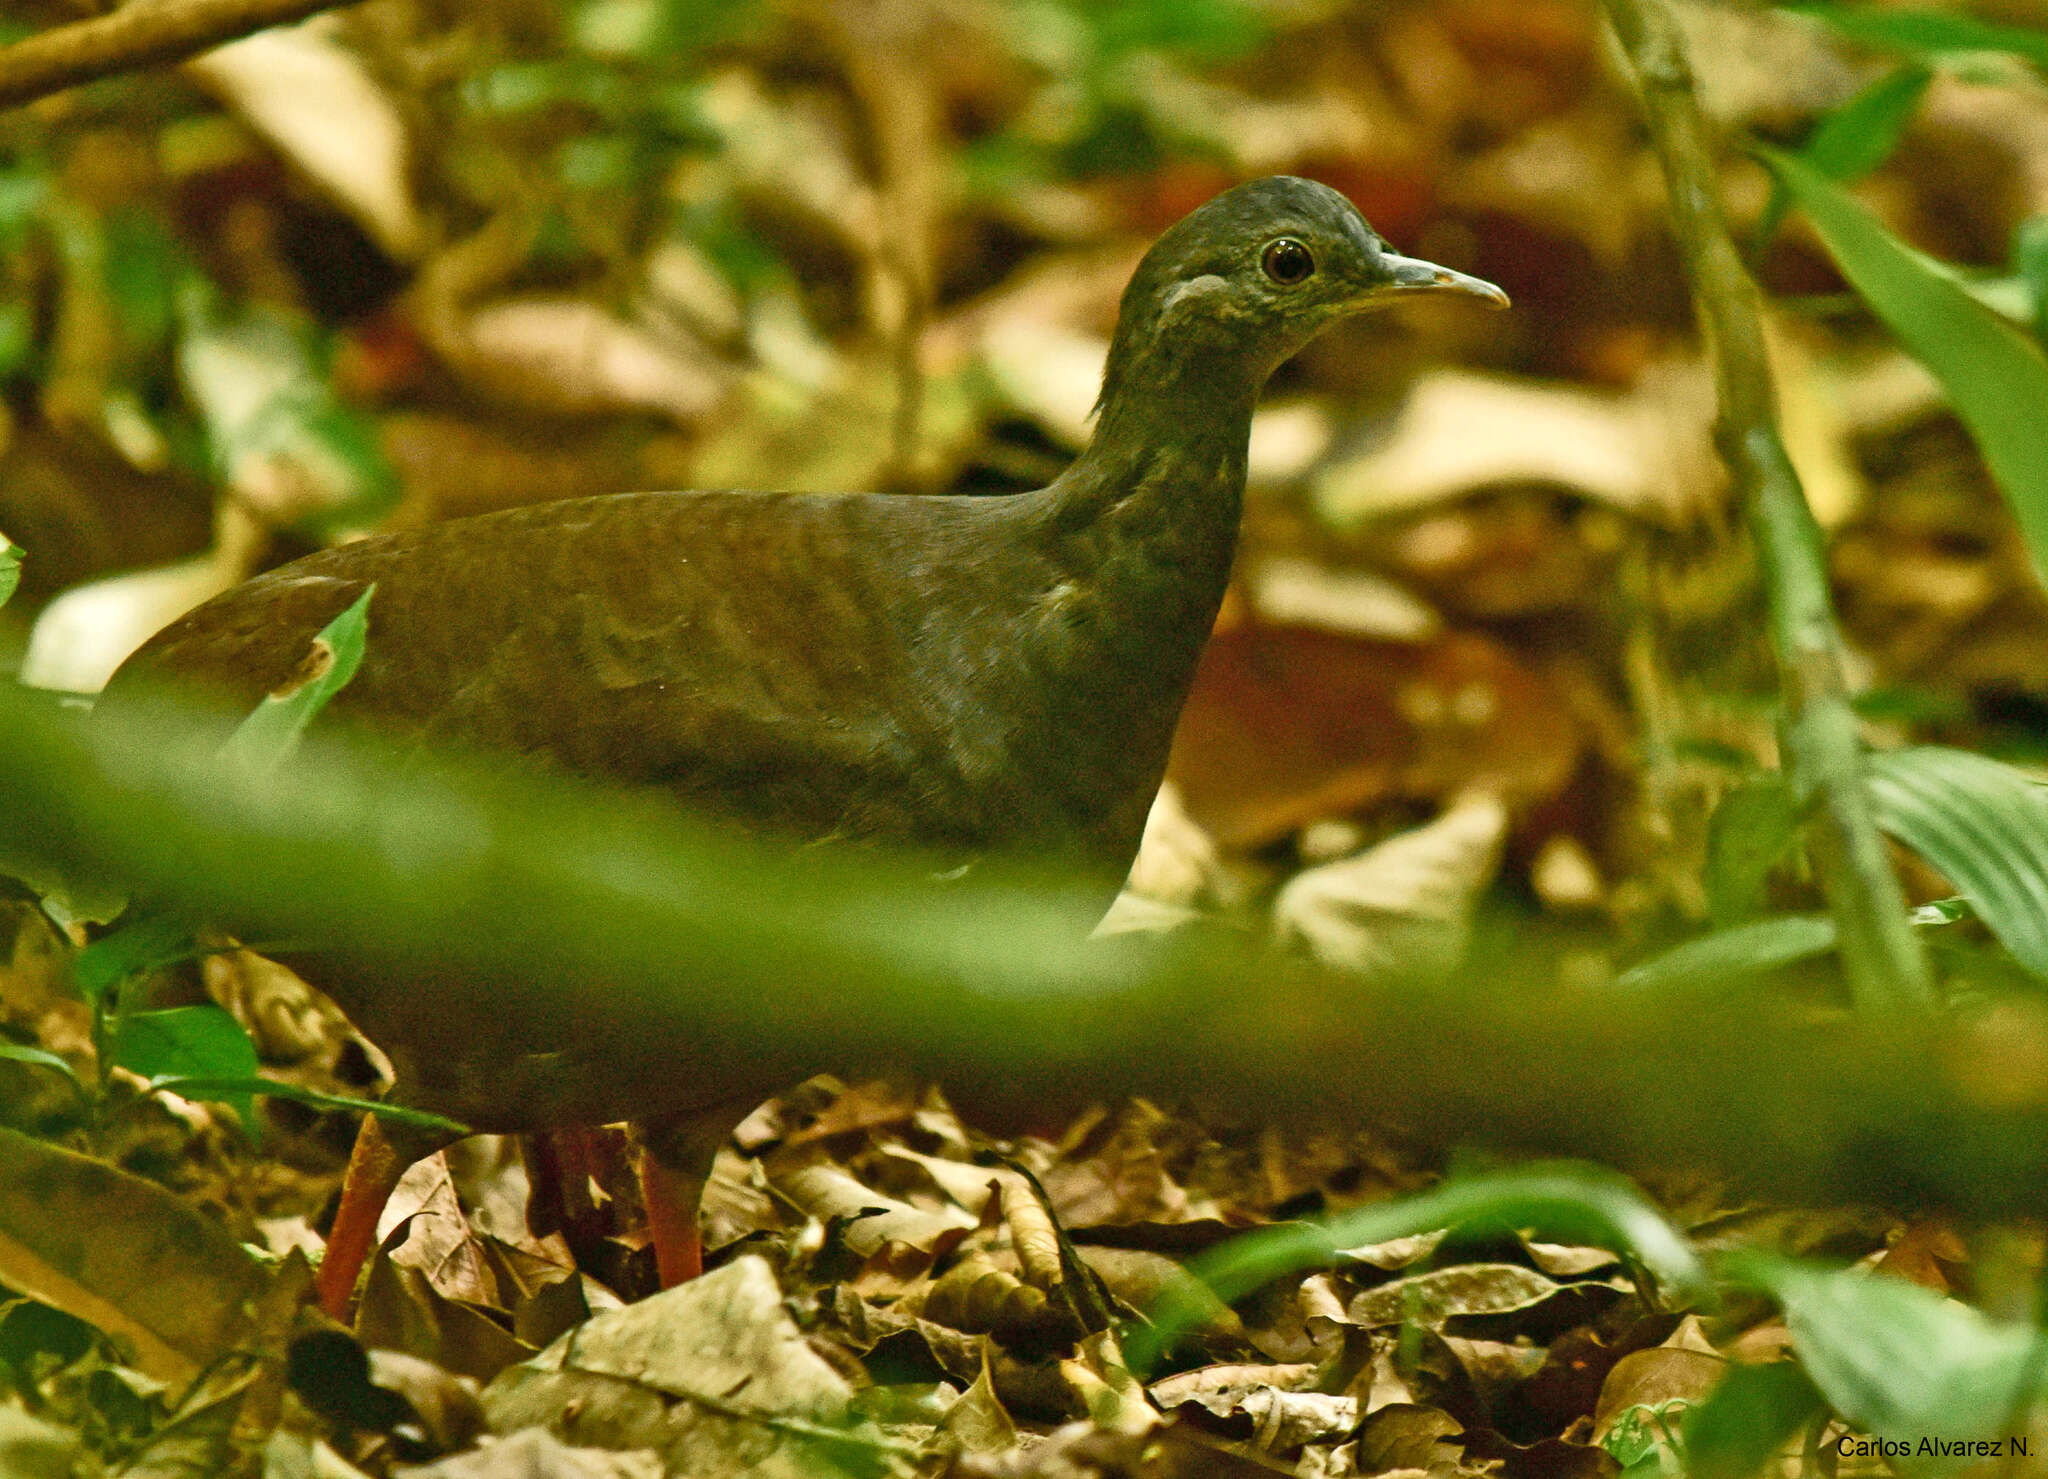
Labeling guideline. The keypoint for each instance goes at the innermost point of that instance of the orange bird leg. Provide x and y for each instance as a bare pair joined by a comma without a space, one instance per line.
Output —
671,1197
375,1166
675,1165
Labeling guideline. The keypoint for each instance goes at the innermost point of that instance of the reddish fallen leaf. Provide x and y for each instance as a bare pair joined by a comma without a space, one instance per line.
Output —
1290,725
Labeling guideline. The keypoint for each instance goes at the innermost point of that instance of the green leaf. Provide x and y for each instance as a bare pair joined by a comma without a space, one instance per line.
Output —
241,1087
1747,1419
38,1058
272,730
1984,827
1754,829
1563,1199
143,944
192,1043
1855,138
1995,376
2030,266
1896,1360
1933,33
10,567
1744,950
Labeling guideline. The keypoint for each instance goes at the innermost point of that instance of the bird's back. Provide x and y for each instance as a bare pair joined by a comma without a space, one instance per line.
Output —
824,665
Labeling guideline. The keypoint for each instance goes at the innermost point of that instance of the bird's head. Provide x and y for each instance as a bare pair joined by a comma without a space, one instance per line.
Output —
1244,281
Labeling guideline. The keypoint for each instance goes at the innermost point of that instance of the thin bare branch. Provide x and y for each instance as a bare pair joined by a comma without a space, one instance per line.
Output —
1886,965
136,37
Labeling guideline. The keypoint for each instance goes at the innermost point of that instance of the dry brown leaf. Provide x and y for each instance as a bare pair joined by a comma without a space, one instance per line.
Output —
1286,726
87,632
312,97
568,355
1462,432
1404,1436
1651,1379
437,1238
978,1422
33,1449
870,1219
537,1454
713,1375
157,1277
1462,1289
1177,862
401,1310
1402,909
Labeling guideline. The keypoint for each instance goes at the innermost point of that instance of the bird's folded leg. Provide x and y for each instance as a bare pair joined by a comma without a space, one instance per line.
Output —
560,1167
383,1153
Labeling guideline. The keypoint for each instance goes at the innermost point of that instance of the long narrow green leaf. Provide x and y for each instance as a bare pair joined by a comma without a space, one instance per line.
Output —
271,732
1927,32
1563,1199
239,1088
40,1058
1984,826
1855,138
1995,376
1745,950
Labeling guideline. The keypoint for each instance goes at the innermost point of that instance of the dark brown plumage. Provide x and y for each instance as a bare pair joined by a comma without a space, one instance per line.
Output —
969,674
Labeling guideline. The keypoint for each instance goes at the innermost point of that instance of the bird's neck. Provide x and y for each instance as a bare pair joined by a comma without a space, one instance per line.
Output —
1149,512
1140,533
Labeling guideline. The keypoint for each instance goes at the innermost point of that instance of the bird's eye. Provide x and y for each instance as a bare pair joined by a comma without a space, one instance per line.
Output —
1287,261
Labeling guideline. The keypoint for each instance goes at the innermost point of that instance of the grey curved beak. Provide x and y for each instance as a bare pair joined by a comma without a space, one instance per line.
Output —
1413,275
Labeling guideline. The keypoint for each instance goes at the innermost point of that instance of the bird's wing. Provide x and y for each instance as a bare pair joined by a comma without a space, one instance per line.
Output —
699,642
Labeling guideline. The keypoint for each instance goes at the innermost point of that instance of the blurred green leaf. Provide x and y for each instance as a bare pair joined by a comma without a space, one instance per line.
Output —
1565,1200
198,1043
1896,1360
259,381
142,944
1755,828
143,266
1747,1419
10,567
523,87
17,336
272,730
606,161
1984,827
1926,32
39,1058
1743,950
1201,30
23,192
2030,266
1854,139
673,32
1996,378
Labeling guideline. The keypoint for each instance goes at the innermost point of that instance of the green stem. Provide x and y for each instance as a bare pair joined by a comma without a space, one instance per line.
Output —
1886,964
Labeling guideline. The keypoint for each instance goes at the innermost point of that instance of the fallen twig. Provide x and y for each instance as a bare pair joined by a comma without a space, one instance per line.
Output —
136,37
